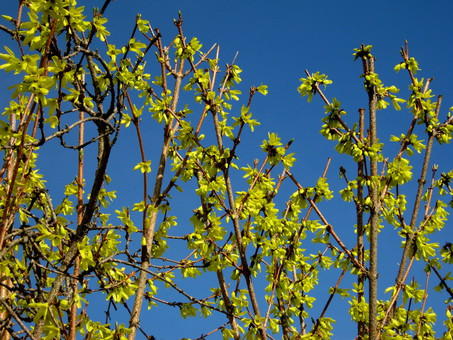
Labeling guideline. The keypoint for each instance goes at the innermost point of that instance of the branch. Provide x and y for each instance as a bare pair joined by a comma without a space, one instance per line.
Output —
443,282
329,227
421,182
329,300
17,318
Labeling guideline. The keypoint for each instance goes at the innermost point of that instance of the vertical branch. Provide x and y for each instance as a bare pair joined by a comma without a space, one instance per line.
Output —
80,178
150,225
242,253
228,305
329,300
104,150
368,64
289,253
395,295
237,231
10,206
361,328
417,203
136,123
13,168
4,293
425,297
135,316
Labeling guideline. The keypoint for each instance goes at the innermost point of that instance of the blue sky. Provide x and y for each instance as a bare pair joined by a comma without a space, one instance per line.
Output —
275,44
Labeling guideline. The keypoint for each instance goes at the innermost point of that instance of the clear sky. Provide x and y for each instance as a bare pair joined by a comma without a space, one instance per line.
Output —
276,42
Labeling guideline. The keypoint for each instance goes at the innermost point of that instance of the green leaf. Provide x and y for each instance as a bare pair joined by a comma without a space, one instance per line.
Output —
262,89
144,167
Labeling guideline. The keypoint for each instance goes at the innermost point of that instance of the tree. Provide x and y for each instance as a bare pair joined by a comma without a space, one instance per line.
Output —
262,243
